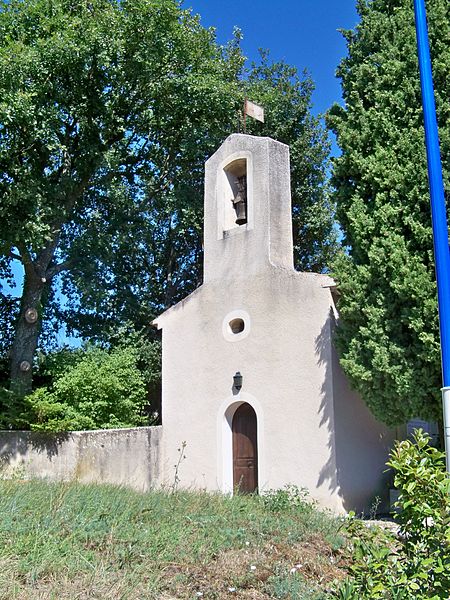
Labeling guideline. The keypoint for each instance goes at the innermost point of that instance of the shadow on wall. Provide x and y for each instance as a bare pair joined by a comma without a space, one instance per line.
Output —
328,474
17,444
356,469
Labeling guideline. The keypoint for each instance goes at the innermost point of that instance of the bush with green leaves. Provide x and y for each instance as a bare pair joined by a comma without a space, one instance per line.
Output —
98,389
288,498
416,563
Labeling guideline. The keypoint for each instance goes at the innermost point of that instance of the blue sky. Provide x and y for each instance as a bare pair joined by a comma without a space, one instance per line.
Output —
300,32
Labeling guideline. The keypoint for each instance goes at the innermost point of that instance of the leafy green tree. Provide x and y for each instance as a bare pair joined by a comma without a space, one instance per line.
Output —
108,111
89,389
388,333
102,105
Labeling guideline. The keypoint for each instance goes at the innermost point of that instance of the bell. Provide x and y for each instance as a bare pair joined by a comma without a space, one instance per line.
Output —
240,200
241,212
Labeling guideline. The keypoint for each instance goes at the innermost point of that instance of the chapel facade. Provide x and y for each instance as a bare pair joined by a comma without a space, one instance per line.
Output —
251,381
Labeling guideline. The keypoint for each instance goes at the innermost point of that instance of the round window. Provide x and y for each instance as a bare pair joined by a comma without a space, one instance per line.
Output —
236,326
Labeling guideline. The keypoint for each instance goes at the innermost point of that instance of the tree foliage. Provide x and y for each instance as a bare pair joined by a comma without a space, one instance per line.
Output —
108,110
388,334
88,390
96,134
133,283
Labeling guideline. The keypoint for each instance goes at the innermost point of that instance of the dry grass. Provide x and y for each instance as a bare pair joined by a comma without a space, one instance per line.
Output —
74,542
251,570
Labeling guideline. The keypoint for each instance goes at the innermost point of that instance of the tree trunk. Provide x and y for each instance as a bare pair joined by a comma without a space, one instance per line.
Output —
26,335
39,273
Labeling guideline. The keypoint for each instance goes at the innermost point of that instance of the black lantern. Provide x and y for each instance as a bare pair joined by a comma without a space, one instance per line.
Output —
237,380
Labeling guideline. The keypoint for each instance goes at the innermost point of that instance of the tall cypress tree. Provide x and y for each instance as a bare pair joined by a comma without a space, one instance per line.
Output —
388,335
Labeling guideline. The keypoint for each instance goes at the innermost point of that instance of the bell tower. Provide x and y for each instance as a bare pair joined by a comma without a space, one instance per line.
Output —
248,221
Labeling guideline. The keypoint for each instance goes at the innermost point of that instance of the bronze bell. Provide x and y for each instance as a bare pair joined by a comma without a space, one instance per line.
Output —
241,212
240,201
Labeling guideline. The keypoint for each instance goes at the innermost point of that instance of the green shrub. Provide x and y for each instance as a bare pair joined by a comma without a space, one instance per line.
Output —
99,389
11,410
287,498
416,564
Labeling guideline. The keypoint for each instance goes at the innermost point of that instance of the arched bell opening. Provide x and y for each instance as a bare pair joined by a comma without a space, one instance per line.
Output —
236,206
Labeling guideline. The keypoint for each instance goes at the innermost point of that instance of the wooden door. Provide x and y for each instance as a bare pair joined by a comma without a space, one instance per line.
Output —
245,450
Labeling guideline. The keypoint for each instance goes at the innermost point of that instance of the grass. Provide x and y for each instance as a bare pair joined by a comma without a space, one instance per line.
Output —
72,541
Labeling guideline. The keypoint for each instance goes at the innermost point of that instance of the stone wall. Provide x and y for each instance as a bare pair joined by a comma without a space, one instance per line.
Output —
129,457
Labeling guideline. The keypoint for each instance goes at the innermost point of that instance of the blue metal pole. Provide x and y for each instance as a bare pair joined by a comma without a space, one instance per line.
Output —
438,211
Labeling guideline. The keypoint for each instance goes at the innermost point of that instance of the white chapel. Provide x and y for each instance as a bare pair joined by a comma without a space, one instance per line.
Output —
251,381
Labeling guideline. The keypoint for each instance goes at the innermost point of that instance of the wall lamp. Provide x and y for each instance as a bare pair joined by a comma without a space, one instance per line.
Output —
237,380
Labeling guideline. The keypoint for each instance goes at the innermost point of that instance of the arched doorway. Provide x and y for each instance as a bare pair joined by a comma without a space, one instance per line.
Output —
245,450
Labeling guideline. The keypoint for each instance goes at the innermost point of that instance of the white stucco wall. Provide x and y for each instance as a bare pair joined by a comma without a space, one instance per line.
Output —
267,237
282,383
313,431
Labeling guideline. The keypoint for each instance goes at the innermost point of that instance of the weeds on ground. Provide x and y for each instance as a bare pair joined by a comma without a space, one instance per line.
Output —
63,540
